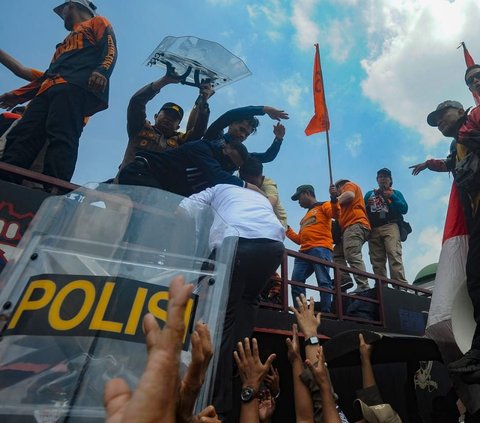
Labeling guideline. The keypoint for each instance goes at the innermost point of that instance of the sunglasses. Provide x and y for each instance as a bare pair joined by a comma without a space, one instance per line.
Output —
470,79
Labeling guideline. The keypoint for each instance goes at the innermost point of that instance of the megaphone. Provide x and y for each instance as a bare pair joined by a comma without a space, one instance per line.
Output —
463,323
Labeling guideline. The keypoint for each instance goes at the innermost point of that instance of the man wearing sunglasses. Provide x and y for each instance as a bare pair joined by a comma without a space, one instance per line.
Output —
453,121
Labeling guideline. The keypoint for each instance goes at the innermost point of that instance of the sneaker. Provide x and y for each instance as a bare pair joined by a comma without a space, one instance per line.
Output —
469,363
345,286
360,289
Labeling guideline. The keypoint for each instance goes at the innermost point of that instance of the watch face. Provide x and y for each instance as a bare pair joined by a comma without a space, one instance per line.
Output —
313,340
247,393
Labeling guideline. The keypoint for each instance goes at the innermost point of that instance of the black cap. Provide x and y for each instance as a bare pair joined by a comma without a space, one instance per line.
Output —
384,171
174,108
432,118
303,188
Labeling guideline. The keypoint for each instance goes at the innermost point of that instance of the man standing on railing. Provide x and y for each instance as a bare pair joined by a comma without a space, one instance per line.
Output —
385,207
315,239
355,226
75,85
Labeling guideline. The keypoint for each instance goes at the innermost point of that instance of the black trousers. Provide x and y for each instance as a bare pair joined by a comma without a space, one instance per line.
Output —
473,274
55,116
255,262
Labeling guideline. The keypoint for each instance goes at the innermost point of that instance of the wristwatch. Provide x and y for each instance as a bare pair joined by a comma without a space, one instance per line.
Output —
312,340
247,394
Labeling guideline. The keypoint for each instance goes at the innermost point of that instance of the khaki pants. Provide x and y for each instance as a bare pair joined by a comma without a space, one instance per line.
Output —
384,242
354,236
339,258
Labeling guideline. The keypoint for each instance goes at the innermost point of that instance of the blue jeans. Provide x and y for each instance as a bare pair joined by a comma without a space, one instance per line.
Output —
303,269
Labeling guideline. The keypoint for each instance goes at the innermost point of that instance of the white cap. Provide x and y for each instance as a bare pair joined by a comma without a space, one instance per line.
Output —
85,3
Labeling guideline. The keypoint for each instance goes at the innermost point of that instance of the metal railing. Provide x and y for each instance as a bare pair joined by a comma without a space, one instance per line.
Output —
338,295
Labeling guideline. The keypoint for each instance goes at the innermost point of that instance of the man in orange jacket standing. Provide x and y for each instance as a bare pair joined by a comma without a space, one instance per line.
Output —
355,227
315,239
75,85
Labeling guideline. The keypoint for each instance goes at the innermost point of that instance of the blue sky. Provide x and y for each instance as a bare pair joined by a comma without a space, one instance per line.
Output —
386,65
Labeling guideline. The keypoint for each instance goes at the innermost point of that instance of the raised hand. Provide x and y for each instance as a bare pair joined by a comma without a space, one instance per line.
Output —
275,114
155,398
305,314
252,370
279,131
416,169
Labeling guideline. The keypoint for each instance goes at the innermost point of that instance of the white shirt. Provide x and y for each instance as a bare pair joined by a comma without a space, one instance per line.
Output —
247,213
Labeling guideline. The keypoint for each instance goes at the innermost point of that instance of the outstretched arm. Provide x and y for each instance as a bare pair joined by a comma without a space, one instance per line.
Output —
215,130
368,377
302,396
252,372
319,371
136,112
198,119
16,67
155,397
273,150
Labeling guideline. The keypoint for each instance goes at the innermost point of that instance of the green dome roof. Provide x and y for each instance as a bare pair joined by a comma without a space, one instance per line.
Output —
427,274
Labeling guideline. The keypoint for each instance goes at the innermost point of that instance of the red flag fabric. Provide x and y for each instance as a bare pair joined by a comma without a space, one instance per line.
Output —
319,121
470,62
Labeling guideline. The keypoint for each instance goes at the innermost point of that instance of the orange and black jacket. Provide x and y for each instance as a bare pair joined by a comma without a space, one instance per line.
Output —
142,135
316,227
91,46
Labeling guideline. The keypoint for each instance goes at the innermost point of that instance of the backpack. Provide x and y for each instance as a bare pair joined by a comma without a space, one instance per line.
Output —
404,228
467,173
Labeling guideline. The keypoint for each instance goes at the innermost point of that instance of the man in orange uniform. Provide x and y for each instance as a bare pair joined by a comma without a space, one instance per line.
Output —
75,85
355,226
315,239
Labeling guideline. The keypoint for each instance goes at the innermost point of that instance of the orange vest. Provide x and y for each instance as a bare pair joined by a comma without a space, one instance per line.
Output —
316,227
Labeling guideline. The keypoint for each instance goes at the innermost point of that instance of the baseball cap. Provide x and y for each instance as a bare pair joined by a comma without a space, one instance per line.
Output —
382,413
432,118
173,107
85,3
385,171
302,188
341,182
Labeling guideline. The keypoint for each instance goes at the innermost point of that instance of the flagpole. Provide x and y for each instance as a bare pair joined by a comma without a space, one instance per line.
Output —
320,121
329,158
327,131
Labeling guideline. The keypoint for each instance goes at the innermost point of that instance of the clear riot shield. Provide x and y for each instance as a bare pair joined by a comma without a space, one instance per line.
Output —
198,60
92,263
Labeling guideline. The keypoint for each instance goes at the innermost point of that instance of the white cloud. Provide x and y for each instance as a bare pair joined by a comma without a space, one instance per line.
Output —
339,39
428,244
293,89
353,144
307,31
274,35
413,63
272,10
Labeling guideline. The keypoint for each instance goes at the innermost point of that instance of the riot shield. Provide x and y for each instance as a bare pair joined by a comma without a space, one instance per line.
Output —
91,265
198,60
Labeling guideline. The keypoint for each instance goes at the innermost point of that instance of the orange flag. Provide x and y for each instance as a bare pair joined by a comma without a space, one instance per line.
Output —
319,121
